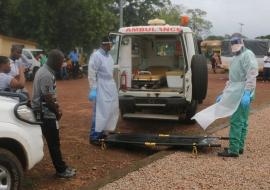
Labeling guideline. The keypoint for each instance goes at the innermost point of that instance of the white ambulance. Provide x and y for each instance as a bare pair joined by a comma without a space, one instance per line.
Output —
159,73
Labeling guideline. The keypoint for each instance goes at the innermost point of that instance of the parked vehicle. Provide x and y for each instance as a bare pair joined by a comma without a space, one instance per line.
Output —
258,46
21,144
31,56
158,71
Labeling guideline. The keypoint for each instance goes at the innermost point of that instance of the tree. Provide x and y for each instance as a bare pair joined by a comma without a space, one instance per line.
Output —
4,6
138,12
171,14
60,24
198,24
7,8
263,37
212,37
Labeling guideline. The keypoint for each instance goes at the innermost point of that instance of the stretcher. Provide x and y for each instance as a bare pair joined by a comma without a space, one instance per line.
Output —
153,140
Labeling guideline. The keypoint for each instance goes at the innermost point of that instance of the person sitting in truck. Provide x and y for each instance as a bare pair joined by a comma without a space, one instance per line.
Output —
8,82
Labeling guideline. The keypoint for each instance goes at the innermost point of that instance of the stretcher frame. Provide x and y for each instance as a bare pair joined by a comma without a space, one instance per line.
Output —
154,140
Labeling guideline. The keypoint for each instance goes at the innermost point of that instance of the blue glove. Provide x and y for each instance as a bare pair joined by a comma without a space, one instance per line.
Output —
245,101
218,98
92,94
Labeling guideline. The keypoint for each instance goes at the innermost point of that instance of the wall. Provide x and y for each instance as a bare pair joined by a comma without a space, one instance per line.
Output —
7,42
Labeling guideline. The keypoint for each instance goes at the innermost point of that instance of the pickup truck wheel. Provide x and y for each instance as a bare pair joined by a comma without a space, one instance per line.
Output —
191,111
199,77
11,172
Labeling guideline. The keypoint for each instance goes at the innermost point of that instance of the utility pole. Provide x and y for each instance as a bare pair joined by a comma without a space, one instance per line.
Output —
121,3
241,27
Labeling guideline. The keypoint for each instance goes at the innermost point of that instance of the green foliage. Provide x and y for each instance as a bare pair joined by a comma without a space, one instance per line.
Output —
66,24
197,22
263,37
138,12
171,14
215,37
4,6
62,24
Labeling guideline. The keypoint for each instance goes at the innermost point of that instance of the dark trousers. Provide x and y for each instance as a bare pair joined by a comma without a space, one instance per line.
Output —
94,136
51,134
266,73
75,69
214,66
64,73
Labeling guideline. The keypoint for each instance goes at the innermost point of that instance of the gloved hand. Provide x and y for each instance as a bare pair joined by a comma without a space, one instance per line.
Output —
245,101
92,94
218,98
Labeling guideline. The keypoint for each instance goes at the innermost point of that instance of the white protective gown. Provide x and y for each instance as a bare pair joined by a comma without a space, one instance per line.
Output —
100,75
242,76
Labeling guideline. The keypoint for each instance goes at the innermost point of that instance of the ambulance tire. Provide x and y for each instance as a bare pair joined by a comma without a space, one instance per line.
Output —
199,77
191,111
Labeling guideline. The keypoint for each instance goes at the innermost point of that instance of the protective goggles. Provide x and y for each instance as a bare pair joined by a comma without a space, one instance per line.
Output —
235,41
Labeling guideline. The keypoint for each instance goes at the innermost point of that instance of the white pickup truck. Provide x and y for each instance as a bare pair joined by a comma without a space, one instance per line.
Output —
21,144
259,47
33,63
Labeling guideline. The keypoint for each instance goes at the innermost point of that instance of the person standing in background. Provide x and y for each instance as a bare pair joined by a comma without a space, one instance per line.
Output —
46,108
64,70
103,92
74,56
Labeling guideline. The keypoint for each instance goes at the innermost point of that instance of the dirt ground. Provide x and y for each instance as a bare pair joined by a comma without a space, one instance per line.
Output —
91,162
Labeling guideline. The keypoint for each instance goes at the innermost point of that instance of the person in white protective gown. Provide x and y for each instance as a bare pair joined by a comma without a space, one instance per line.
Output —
235,98
103,92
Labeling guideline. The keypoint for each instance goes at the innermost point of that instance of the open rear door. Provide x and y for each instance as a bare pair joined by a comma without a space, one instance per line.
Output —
116,39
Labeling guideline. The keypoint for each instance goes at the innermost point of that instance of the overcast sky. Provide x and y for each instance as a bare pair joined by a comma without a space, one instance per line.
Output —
226,15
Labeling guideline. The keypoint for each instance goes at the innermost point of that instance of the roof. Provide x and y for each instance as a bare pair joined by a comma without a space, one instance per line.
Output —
17,40
211,43
32,49
160,29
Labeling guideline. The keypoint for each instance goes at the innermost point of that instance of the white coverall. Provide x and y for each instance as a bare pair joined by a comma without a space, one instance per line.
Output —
100,76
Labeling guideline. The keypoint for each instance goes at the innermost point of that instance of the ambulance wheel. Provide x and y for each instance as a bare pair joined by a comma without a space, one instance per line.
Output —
199,77
191,111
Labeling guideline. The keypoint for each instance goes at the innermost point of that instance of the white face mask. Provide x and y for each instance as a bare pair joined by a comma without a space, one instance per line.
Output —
236,47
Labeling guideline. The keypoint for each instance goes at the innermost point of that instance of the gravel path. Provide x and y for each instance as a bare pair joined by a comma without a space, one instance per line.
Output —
182,170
